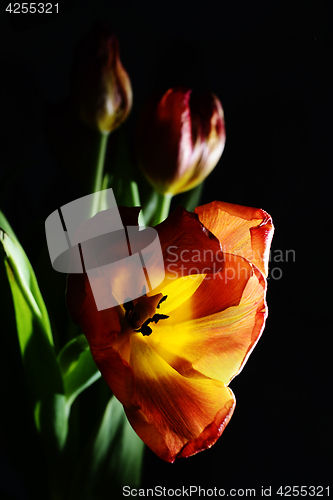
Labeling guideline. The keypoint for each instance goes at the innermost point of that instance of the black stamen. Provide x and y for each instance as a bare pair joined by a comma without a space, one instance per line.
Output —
157,317
162,300
146,330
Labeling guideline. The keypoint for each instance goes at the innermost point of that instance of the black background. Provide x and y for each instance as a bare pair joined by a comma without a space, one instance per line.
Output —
269,63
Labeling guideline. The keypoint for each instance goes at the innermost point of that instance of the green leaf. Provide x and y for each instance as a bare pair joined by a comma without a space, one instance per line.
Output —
113,458
78,368
123,178
4,224
150,205
51,417
44,380
24,274
20,440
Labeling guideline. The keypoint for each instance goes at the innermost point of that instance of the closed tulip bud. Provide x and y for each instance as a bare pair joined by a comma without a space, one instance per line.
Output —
101,87
180,138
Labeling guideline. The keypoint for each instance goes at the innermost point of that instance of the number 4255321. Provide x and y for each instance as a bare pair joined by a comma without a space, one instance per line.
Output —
32,8
303,491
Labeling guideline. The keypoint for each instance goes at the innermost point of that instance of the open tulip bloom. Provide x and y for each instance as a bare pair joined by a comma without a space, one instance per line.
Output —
167,351
168,356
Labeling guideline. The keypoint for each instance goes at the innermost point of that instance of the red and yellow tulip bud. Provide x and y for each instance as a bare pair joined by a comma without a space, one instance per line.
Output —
180,138
101,86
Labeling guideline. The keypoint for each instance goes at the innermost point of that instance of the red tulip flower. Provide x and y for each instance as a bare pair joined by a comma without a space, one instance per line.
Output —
180,139
101,87
172,378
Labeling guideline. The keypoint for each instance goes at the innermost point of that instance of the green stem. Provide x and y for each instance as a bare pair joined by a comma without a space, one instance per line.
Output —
163,207
98,178
135,198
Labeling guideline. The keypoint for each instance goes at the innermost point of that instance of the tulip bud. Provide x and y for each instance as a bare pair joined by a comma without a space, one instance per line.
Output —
101,86
180,138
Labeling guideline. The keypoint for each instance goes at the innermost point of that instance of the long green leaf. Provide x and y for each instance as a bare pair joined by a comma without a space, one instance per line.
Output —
112,460
78,368
44,380
23,271
20,440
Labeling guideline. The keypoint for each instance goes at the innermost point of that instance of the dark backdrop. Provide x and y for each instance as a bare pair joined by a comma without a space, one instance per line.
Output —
269,64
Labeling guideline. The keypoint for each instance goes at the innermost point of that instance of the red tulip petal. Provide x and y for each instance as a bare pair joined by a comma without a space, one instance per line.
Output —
164,137
117,373
178,415
213,431
167,444
242,231
216,292
188,247
108,336
217,346
98,326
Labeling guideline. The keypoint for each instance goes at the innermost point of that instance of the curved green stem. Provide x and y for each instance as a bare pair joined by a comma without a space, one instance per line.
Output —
163,207
98,178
